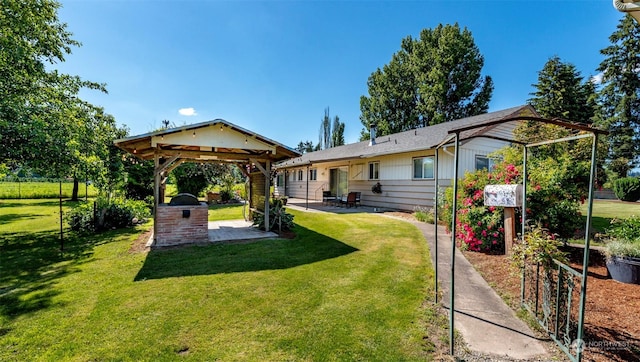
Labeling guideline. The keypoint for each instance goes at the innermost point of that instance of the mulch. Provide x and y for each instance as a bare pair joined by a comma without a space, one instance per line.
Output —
612,331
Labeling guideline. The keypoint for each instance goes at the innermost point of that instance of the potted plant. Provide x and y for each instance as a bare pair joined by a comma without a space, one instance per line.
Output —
623,250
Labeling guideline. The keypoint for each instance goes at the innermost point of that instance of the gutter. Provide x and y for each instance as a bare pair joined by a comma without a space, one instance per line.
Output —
626,7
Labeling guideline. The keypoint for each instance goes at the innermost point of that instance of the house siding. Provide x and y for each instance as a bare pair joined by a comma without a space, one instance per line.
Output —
399,189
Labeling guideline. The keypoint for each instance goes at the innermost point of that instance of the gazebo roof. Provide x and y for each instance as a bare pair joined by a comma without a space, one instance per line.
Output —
207,141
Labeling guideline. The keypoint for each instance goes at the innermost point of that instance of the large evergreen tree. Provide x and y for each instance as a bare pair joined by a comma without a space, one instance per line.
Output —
561,92
433,79
620,96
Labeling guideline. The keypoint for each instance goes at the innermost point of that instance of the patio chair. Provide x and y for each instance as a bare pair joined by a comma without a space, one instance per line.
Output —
348,200
358,194
327,198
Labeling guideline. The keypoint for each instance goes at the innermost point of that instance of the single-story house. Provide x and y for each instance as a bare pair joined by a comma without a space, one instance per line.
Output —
401,163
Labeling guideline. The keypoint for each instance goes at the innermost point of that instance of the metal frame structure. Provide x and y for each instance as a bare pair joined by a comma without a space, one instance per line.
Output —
484,130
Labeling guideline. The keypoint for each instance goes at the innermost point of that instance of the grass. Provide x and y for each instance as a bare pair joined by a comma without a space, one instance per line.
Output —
41,190
225,212
348,287
606,210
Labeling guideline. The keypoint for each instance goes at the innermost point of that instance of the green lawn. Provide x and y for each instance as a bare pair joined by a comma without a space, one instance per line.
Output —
606,210
348,287
42,190
225,212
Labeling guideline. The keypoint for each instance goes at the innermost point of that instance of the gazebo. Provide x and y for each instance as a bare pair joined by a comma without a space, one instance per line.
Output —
216,141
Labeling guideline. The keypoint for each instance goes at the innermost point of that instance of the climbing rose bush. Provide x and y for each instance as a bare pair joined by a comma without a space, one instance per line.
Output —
479,227
553,195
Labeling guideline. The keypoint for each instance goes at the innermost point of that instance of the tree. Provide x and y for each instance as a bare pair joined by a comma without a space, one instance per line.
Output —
304,147
430,80
620,96
44,125
331,133
561,92
337,134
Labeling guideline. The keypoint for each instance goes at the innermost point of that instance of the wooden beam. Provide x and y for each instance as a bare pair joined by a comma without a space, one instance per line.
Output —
259,166
160,168
220,155
242,169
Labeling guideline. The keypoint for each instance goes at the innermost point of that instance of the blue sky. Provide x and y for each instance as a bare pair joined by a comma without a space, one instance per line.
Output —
274,66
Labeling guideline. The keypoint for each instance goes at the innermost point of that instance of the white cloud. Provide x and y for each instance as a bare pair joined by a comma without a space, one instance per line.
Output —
187,111
597,79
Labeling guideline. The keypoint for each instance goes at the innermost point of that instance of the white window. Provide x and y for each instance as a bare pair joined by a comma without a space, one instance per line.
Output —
300,175
423,167
374,170
313,174
484,162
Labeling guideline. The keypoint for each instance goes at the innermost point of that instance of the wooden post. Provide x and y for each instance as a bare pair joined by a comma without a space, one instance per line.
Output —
509,228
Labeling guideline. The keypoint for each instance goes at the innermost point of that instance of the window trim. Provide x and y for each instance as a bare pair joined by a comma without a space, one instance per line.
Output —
313,174
375,170
300,175
413,168
491,162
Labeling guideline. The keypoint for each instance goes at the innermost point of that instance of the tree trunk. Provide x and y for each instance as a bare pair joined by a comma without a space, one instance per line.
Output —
76,186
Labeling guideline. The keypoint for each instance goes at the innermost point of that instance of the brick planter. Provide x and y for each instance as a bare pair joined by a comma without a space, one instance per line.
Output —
179,225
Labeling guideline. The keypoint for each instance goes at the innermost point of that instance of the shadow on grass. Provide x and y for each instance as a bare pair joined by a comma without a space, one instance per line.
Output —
35,202
308,247
31,263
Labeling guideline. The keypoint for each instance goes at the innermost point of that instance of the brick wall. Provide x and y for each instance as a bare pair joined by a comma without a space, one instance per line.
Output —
174,229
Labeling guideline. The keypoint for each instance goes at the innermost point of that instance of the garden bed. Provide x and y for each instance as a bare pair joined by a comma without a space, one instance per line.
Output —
611,327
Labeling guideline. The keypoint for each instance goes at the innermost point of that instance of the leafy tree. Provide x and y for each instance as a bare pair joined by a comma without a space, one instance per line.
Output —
305,147
331,133
325,130
43,123
430,80
337,134
620,95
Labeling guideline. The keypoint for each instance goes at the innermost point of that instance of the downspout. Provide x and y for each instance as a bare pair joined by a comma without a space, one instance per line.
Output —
444,149
626,7
630,7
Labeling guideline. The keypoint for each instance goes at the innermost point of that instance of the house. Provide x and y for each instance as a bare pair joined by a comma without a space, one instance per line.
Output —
402,163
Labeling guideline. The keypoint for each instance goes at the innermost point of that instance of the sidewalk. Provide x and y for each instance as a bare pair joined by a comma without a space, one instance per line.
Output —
486,323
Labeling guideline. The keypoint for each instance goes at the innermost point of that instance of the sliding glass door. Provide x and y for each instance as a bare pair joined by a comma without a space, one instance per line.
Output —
339,181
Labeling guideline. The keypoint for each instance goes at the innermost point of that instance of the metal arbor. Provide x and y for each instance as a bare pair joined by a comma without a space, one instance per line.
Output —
502,130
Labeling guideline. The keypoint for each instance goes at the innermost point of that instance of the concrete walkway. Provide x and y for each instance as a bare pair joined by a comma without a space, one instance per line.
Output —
486,323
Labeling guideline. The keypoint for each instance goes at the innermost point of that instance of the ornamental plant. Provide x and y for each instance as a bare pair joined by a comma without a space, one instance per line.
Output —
479,227
554,191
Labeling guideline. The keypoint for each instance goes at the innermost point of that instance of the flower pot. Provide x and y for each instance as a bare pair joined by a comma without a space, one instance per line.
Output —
624,269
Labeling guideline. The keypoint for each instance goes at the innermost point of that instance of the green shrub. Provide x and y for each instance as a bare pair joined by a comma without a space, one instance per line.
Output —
539,247
278,217
627,188
80,218
190,178
625,229
109,214
225,195
423,214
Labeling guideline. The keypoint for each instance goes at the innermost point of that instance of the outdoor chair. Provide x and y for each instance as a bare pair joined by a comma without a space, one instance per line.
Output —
358,194
327,198
349,199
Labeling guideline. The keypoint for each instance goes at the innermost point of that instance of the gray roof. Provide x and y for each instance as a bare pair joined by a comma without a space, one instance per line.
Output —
418,139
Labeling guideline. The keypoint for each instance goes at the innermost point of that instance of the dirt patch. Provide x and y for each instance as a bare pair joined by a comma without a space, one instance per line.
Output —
140,244
612,331
400,214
